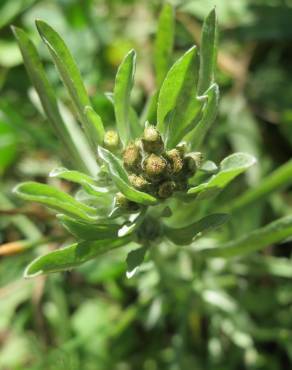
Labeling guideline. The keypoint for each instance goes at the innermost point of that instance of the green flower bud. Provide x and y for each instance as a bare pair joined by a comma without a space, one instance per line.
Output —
181,148
155,166
111,140
138,182
132,157
176,160
152,141
166,189
193,161
124,203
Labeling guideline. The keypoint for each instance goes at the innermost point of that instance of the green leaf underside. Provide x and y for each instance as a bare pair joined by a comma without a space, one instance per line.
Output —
72,256
274,232
69,74
122,90
86,231
120,179
55,199
197,135
37,74
185,235
164,43
230,167
178,95
208,52
134,259
95,121
71,175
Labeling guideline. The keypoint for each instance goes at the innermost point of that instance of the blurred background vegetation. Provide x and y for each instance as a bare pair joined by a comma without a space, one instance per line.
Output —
224,315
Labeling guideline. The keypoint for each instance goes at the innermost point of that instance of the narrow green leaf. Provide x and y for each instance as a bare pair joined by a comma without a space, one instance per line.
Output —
69,74
72,256
208,56
179,87
89,231
55,199
230,168
274,232
96,125
72,138
121,180
164,43
122,90
185,235
73,176
281,177
134,259
196,137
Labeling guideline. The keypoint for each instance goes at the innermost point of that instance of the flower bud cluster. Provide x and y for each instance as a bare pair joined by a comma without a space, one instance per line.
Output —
156,171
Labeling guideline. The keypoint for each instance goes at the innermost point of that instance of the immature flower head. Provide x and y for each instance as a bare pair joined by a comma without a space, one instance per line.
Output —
193,161
155,166
152,141
176,160
132,157
138,182
111,140
125,204
166,189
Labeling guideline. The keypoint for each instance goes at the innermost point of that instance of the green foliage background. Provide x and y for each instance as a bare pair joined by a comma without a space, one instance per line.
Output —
188,312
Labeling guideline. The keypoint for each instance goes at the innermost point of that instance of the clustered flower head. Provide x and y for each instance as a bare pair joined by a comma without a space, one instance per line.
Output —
153,169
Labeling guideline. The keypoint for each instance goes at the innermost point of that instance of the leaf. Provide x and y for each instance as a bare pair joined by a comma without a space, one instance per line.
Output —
73,176
278,179
123,86
69,74
97,128
55,199
72,256
177,97
210,110
72,138
208,56
120,178
185,235
134,259
230,167
89,231
270,234
164,42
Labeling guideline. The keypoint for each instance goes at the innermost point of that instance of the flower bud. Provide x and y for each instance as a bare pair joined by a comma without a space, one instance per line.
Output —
166,189
152,141
111,140
155,166
132,157
124,203
193,161
176,160
138,182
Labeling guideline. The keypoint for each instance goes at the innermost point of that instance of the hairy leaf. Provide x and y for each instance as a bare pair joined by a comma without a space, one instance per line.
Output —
123,86
69,74
72,256
89,231
185,235
164,43
208,55
274,232
230,168
55,199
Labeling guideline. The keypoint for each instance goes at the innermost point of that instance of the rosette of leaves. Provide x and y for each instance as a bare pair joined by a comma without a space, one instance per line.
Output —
136,177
